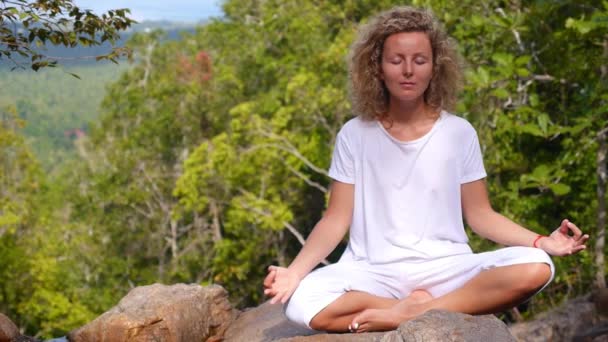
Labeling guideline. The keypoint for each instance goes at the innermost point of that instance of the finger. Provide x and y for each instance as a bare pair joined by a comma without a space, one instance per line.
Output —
563,227
286,297
279,297
577,232
578,249
573,250
270,278
583,239
271,292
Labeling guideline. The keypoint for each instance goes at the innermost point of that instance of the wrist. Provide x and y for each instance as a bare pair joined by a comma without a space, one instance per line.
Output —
300,274
537,241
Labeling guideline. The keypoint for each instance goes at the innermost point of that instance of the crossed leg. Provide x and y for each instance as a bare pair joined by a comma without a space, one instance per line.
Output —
491,291
338,315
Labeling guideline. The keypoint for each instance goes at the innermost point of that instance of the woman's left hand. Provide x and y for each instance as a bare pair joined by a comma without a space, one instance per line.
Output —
560,242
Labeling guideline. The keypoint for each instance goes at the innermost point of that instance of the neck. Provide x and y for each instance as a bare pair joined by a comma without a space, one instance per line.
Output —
409,112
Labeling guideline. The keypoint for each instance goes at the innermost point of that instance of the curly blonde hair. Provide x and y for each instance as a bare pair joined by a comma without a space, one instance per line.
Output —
369,94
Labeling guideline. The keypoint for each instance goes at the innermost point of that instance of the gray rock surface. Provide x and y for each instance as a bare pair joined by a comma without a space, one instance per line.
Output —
572,321
8,329
268,323
438,325
176,313
263,323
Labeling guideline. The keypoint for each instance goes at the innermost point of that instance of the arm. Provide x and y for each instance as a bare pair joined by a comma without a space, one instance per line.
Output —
280,283
493,226
486,222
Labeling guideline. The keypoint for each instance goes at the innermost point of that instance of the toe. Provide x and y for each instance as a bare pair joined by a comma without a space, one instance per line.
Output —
363,328
354,324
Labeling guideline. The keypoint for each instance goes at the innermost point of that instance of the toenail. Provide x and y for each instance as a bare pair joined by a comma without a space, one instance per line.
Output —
356,326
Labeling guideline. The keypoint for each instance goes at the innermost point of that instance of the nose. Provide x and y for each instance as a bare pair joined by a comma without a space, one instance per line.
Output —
408,69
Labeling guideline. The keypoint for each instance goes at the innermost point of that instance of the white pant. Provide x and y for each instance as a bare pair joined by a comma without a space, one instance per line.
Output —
396,280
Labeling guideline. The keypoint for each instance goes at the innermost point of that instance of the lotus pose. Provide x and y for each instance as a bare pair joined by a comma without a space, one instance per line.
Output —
405,171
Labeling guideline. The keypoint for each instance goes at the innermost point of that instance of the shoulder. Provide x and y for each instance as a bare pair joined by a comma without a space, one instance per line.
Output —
355,126
458,124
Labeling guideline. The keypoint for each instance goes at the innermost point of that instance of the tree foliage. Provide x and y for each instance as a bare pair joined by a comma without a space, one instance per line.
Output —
62,108
27,25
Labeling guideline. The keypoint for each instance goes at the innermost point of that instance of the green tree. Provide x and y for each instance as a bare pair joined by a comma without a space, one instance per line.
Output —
592,29
57,22
37,287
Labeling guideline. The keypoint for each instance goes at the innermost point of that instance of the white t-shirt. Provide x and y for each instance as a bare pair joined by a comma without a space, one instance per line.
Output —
407,194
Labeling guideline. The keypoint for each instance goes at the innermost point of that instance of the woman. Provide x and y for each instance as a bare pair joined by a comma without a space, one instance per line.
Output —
404,171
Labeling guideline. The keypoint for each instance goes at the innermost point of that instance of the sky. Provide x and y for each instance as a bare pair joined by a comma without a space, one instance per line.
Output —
174,10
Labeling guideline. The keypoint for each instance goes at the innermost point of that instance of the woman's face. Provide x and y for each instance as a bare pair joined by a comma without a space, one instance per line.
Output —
407,65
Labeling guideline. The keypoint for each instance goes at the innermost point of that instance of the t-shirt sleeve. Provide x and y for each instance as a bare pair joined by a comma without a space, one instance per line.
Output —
473,168
342,164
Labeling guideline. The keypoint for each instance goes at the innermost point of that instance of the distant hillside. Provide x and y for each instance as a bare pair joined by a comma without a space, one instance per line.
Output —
80,55
58,107
54,104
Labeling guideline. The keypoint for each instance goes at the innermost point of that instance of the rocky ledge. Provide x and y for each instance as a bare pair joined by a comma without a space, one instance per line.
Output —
187,313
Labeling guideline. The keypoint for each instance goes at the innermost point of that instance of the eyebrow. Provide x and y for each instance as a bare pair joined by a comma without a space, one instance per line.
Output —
417,54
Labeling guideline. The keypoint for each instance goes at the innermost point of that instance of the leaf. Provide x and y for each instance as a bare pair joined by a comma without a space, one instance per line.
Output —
74,75
534,101
476,20
500,93
541,172
543,123
522,60
503,59
559,189
522,72
583,27
484,76
531,129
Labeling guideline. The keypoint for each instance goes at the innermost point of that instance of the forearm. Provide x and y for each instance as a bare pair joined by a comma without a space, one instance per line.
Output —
496,227
323,239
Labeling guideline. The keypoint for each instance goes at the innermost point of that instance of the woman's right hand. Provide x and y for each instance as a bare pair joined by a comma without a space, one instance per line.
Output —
280,284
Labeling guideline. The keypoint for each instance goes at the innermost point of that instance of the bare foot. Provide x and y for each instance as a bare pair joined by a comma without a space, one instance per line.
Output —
389,319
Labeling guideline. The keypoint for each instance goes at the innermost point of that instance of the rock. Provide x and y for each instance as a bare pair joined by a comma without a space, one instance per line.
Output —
23,338
268,323
264,323
598,333
436,325
600,299
176,313
8,329
574,318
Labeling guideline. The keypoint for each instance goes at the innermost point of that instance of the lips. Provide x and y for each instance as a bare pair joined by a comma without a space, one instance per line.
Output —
407,84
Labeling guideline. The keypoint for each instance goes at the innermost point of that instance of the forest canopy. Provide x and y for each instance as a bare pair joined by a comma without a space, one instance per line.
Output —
209,160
